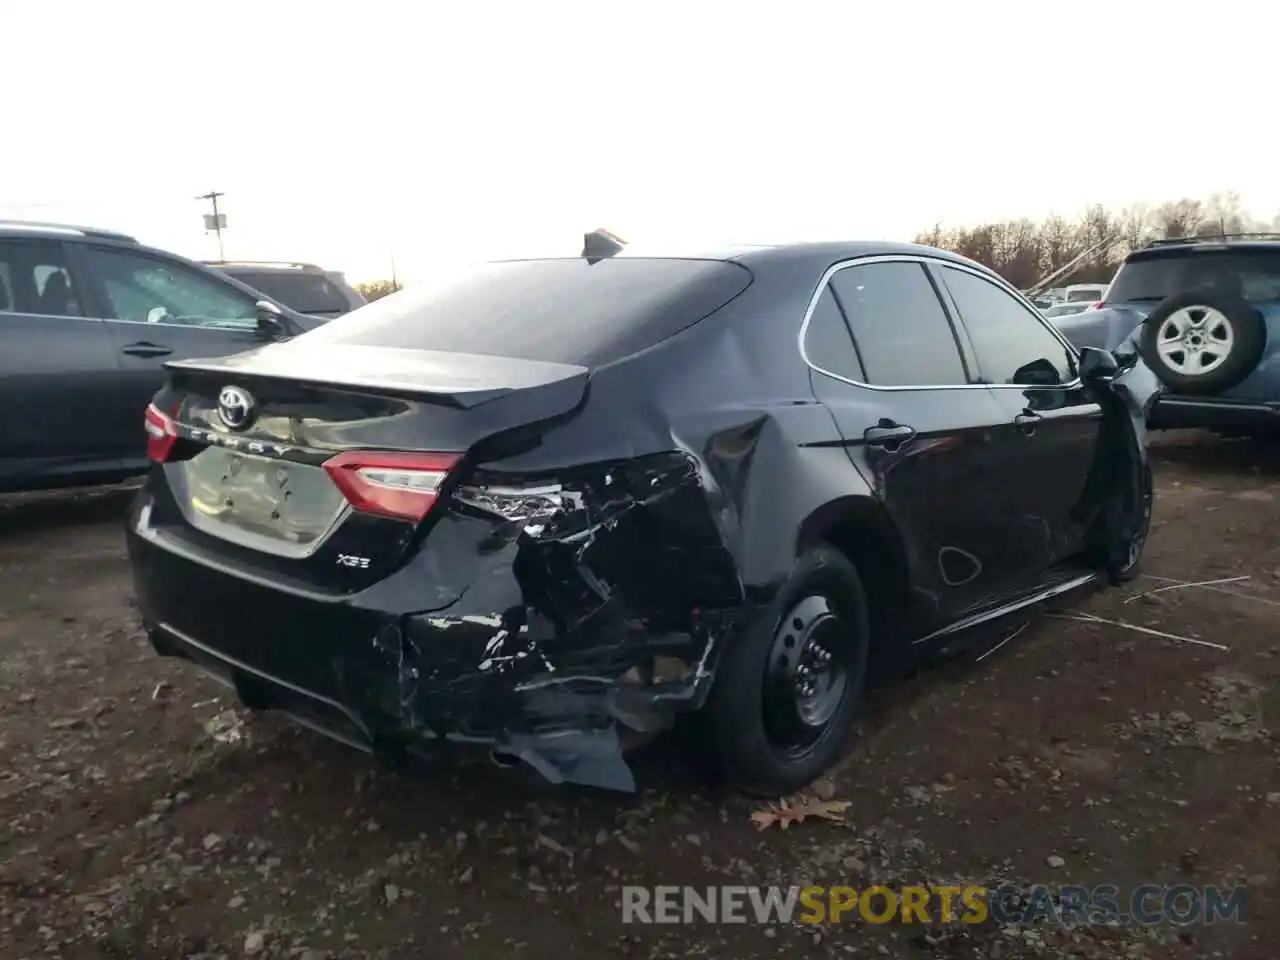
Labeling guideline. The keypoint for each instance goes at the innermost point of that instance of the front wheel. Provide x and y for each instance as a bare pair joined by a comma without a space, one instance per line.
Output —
1123,529
786,692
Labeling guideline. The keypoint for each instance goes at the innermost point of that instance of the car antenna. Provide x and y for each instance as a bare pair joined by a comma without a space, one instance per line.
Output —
600,244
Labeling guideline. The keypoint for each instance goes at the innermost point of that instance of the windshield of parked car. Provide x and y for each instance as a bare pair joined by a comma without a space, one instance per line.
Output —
304,292
1087,295
1253,272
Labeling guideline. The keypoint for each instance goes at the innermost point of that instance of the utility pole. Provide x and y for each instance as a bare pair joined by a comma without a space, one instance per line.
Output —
217,221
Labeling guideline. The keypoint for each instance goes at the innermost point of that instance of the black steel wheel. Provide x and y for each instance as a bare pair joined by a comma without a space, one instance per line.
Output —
787,690
807,674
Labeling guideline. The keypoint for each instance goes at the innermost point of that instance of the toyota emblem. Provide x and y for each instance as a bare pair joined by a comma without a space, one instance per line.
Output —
235,407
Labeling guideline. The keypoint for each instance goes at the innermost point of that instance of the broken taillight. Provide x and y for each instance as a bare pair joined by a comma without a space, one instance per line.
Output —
398,485
162,434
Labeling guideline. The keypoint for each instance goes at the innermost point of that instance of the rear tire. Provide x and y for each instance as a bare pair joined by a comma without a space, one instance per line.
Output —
1202,343
787,691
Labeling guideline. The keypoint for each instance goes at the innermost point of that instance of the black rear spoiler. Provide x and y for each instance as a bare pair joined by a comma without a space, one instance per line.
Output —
453,379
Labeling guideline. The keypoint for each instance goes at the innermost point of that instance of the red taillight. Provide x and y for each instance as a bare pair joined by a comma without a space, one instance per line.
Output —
161,434
399,485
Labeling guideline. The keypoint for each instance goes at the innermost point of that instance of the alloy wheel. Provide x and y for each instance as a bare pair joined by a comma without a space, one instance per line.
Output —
1195,340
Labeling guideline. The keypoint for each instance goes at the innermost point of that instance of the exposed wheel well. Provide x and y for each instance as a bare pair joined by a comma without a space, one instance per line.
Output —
872,545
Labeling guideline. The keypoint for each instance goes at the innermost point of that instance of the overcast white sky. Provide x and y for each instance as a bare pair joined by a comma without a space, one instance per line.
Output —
454,130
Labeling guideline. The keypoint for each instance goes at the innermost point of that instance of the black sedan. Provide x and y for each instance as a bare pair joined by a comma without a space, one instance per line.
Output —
555,505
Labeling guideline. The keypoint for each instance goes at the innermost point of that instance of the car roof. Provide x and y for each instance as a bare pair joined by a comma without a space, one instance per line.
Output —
264,266
818,255
34,229
1177,245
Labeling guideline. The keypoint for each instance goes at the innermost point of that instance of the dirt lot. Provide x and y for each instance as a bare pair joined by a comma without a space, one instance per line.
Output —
142,819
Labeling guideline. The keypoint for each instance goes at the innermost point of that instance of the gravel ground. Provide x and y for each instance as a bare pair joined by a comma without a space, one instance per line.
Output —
145,817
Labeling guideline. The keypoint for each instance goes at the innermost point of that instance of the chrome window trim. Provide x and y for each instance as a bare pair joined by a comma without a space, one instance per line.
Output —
187,326
44,316
140,323
938,262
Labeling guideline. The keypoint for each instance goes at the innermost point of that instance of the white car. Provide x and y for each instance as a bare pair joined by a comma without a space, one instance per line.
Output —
1084,293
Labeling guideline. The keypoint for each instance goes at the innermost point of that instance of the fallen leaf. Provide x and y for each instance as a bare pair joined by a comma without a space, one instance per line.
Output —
789,811
553,845
225,727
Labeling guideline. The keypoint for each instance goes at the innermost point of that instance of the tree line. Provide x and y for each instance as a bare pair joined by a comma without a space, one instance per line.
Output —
1024,250
376,289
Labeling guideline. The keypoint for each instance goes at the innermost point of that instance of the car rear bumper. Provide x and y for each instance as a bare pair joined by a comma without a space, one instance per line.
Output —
259,690
1178,412
484,670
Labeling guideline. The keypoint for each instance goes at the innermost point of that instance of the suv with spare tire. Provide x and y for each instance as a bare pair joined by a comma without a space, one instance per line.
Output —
1209,312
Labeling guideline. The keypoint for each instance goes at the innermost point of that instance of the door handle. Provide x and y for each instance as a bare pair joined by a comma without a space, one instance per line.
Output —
891,436
146,349
1027,422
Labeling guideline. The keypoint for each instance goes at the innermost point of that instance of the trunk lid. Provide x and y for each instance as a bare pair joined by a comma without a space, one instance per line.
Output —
245,477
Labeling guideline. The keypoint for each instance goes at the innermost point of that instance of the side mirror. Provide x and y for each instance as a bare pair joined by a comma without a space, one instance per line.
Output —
272,324
1096,364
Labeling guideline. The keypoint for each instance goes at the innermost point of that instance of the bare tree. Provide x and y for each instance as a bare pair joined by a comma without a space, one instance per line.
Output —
376,289
1024,250
936,236
1016,251
1179,218
1097,225
1224,213
1134,225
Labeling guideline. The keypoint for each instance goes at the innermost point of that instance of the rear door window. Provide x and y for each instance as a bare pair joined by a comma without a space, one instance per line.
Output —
36,279
903,334
1253,274
559,311
827,342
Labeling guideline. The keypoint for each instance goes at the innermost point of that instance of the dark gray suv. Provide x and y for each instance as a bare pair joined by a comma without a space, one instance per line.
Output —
87,320
305,287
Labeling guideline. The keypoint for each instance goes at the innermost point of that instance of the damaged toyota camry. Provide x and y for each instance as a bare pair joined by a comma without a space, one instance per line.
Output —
551,507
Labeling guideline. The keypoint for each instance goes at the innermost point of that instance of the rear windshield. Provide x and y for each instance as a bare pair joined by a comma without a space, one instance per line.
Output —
1252,274
558,311
304,292
1084,296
